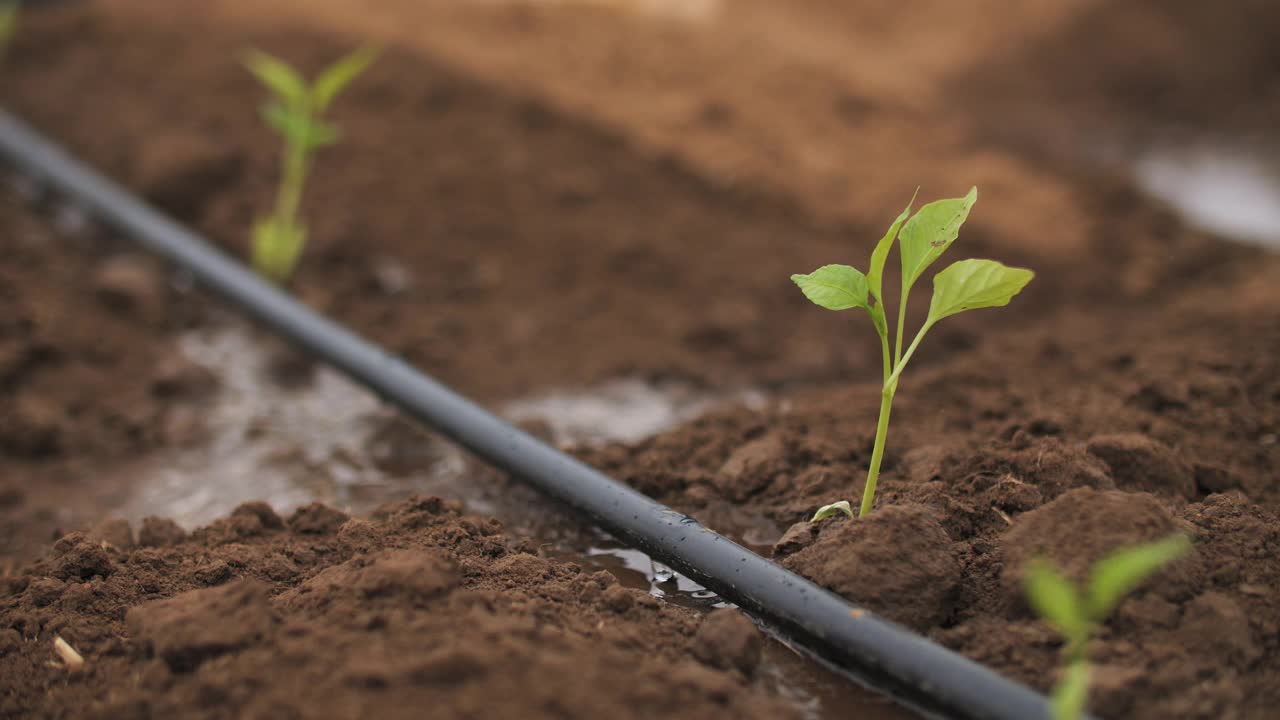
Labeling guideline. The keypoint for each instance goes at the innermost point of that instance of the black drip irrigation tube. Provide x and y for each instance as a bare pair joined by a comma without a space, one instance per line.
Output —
917,671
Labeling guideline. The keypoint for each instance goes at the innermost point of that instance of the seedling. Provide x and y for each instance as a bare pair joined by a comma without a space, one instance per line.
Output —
296,112
8,22
965,285
1075,614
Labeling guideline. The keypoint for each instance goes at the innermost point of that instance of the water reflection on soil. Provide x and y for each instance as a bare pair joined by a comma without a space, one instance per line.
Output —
1227,190
326,439
319,436
817,691
625,410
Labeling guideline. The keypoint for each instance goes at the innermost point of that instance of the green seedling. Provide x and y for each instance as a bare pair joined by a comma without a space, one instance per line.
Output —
296,112
965,285
8,22
1075,614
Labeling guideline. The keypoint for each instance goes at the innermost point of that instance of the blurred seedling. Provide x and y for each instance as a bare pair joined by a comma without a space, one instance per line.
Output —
965,285
1075,613
296,111
8,22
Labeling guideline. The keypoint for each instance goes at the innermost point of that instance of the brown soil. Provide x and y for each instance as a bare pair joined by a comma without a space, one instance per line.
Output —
504,243
416,610
1071,441
77,316
1155,68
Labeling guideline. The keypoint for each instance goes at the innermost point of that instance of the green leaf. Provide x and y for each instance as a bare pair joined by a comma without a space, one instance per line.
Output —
1117,574
875,273
834,287
1071,693
973,284
832,510
1055,599
930,232
340,74
274,73
280,118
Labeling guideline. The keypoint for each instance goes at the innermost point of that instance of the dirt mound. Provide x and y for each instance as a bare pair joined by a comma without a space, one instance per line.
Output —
899,563
1095,431
417,608
1035,446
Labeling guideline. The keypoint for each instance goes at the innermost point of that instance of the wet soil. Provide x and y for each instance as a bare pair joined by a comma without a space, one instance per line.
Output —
78,315
612,216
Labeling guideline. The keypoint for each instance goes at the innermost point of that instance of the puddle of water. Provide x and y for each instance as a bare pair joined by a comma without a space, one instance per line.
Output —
624,410
635,569
331,440
1222,189
815,690
819,692
324,442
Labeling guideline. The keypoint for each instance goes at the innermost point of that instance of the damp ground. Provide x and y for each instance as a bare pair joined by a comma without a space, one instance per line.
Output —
602,229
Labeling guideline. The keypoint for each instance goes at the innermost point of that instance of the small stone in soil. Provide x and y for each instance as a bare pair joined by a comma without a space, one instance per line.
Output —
728,640
128,285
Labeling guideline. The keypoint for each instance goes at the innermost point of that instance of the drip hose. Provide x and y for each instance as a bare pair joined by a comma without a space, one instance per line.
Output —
917,671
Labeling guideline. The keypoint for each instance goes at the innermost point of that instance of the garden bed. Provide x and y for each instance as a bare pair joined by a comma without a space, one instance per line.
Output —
511,250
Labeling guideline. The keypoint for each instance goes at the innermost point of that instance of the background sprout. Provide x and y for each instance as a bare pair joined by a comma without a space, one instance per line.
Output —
1075,614
295,112
8,22
965,285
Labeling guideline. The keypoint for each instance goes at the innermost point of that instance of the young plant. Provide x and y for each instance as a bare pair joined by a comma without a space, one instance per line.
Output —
1075,614
8,22
965,285
296,112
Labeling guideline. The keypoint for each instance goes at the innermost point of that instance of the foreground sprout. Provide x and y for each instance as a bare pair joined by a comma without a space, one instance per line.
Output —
965,285
1075,614
295,112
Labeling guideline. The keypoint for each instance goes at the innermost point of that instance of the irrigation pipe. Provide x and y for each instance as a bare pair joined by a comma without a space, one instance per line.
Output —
920,672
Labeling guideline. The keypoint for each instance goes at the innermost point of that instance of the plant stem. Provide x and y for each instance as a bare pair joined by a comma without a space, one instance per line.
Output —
877,452
293,176
902,362
902,321
884,354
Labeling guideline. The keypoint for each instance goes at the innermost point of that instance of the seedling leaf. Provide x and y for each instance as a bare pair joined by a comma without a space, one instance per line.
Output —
972,284
929,233
832,510
1055,598
922,239
340,74
284,121
834,287
880,255
1071,692
1117,574
281,79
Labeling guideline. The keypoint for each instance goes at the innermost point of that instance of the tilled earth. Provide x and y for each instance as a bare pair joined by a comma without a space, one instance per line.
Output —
525,218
